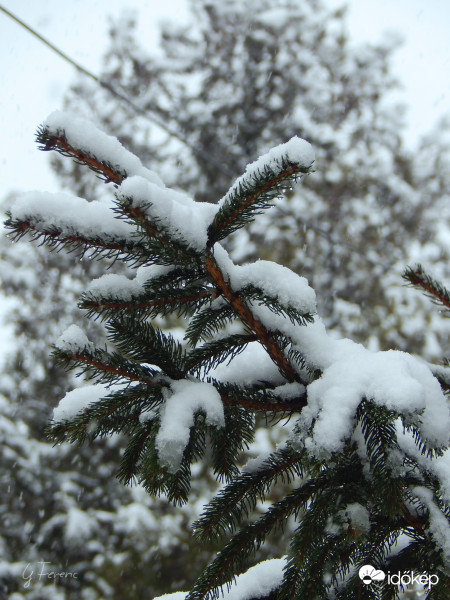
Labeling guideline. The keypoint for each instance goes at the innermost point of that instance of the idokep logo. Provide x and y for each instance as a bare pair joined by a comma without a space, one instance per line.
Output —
368,574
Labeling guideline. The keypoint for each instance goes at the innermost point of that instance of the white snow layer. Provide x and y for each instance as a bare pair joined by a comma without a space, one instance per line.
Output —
73,340
113,285
182,217
177,417
439,525
350,373
257,582
290,289
252,365
71,215
77,400
82,134
120,286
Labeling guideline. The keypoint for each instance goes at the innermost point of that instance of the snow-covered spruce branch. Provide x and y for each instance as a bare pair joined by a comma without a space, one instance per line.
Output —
76,138
365,462
262,182
61,221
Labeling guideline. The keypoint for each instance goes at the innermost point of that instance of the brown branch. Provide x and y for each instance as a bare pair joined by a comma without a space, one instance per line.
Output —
139,215
286,406
252,323
413,521
60,144
97,305
115,370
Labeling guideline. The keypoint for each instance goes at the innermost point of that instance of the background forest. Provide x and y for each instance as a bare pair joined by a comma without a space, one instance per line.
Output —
227,87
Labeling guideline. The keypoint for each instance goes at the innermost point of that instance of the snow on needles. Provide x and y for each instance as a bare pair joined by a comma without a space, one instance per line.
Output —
296,150
84,135
257,582
120,286
183,218
185,399
350,373
276,281
71,215
73,339
77,400
393,379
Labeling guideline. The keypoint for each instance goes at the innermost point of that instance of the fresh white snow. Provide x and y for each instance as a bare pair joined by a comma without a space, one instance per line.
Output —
73,339
121,286
77,400
115,285
71,215
290,289
82,134
177,416
182,217
350,373
257,582
439,525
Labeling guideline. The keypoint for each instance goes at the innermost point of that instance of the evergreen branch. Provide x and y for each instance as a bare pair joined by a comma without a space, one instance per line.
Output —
223,568
442,374
145,344
105,367
432,288
213,353
148,305
324,556
159,242
132,456
208,321
374,551
420,442
246,316
311,538
228,442
251,194
251,293
58,141
240,496
377,426
117,412
157,480
314,549
56,238
254,399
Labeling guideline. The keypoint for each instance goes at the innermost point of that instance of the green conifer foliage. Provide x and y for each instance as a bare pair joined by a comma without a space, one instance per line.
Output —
365,463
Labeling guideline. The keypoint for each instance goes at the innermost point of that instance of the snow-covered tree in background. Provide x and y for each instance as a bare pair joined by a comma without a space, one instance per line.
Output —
366,454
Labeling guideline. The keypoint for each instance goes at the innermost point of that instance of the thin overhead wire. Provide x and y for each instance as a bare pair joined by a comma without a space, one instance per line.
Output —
210,158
